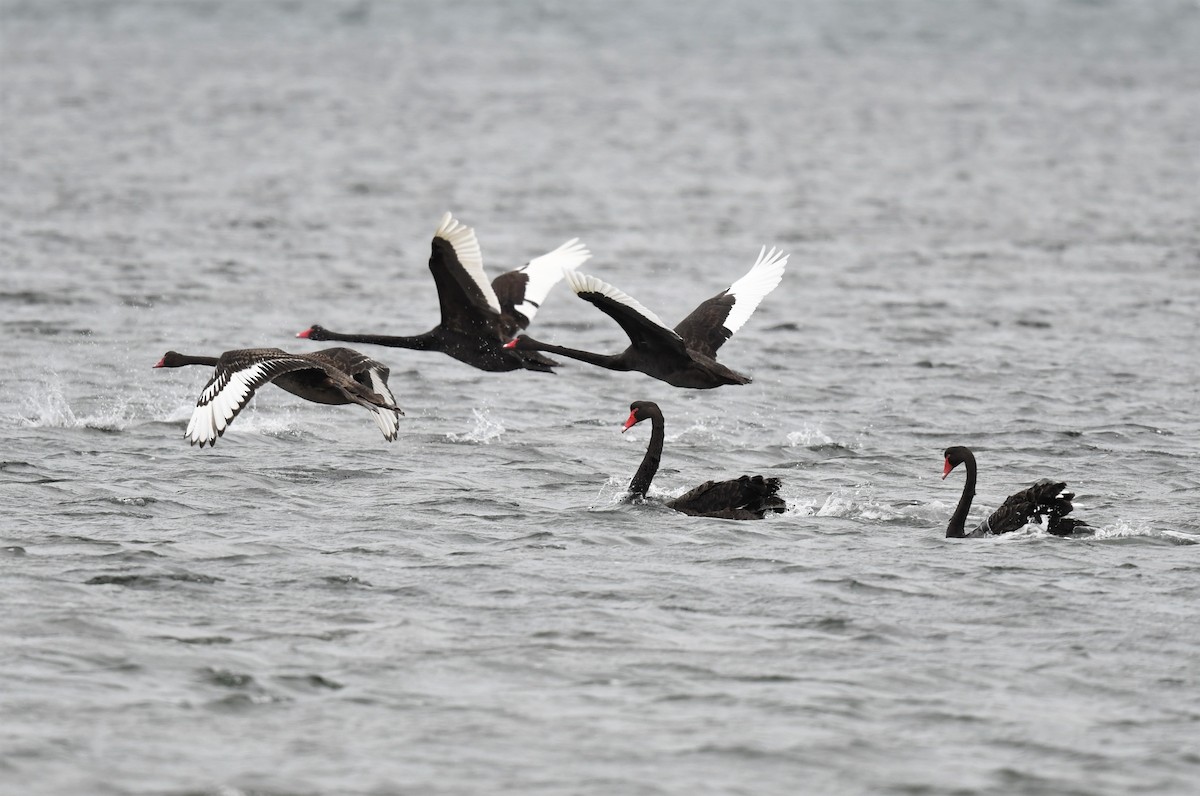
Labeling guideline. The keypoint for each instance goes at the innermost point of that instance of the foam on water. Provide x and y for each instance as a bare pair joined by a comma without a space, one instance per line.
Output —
485,431
808,436
853,503
48,407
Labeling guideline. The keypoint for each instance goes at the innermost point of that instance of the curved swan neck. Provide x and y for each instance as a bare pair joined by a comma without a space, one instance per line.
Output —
645,473
958,521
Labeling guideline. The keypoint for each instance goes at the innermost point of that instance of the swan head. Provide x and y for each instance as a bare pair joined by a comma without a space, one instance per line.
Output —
639,411
955,456
171,359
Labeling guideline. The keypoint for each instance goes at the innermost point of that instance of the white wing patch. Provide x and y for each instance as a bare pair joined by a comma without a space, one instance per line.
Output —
582,283
229,389
380,386
466,248
387,420
748,291
545,271
220,401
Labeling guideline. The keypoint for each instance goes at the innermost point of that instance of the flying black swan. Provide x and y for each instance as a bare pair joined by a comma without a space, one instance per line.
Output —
1044,498
686,355
330,376
744,498
477,318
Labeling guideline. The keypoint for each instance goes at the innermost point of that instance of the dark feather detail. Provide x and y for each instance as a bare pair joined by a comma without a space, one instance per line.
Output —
477,319
1044,502
510,290
334,376
744,498
643,333
464,306
703,330
686,355
748,497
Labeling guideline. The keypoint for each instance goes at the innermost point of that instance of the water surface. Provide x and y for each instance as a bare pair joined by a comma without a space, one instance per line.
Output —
991,213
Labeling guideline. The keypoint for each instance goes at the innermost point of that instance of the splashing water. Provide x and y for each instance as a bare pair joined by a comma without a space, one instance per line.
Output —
48,407
1126,530
486,429
854,505
808,436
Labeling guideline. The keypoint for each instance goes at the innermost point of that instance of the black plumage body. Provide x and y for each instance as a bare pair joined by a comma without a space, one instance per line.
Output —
748,497
476,320
1044,501
686,355
333,376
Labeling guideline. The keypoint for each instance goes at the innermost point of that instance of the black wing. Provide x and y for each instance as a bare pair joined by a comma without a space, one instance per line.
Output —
643,327
712,323
1044,499
468,303
702,330
522,291
509,288
370,373
236,376
746,497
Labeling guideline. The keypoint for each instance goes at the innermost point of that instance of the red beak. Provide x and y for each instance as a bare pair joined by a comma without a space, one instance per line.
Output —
946,470
633,418
304,334
511,343
161,363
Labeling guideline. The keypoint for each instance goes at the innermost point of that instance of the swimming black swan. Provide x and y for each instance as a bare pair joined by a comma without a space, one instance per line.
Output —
477,318
744,498
331,376
686,355
1045,497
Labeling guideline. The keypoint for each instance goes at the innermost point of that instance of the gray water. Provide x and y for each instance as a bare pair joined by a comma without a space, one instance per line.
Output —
991,210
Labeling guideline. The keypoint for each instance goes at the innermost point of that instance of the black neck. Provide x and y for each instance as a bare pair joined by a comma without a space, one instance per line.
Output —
645,473
420,342
610,361
187,359
958,521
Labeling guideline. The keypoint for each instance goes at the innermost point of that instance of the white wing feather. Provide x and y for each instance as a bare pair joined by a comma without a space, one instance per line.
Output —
219,403
748,291
582,283
544,273
388,421
466,248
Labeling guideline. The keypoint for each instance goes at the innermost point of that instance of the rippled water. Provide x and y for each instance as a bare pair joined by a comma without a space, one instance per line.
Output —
991,211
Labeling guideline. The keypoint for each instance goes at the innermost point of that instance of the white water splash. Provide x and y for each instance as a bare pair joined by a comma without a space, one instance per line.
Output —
855,505
615,489
611,493
800,508
1126,530
808,436
48,407
486,429
278,426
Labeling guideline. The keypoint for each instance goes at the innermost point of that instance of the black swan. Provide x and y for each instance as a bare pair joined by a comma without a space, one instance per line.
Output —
331,376
1045,497
477,318
686,355
745,498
